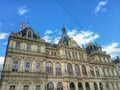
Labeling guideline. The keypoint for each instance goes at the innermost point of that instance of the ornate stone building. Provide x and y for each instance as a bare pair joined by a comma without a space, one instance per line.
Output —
31,63
116,63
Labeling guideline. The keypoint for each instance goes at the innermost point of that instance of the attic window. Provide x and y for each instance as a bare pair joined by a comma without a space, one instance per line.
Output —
29,34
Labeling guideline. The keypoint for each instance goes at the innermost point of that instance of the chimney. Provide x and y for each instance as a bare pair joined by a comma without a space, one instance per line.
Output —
21,26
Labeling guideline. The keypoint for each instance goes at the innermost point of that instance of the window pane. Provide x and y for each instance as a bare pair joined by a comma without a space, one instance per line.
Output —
69,68
27,67
12,87
28,47
38,87
49,68
17,45
58,69
15,66
25,87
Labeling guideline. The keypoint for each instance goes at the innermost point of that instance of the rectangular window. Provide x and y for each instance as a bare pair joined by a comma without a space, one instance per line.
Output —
15,66
17,45
38,87
38,67
28,47
25,87
27,66
12,87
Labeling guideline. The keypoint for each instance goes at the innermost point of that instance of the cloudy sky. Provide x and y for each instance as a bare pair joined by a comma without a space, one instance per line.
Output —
85,21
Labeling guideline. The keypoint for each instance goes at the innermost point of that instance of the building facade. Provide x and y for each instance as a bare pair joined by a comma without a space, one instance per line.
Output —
116,63
31,63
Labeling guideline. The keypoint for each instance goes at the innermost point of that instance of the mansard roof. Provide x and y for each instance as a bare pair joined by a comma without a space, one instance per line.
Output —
24,32
51,45
93,48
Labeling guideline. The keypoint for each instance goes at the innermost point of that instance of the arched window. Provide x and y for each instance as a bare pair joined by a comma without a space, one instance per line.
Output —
92,71
87,86
50,86
29,34
15,66
59,86
49,68
97,71
77,70
103,72
58,69
95,86
101,86
72,86
107,85
80,87
27,66
69,68
84,70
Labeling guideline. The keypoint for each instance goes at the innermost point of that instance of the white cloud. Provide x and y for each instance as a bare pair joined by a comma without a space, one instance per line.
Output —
83,37
113,49
1,60
22,11
101,6
5,43
1,63
3,35
48,32
47,38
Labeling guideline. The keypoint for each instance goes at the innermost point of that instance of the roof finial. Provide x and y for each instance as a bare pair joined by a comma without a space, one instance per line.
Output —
63,30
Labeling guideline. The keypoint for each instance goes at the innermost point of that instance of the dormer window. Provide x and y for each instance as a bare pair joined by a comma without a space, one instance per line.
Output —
29,34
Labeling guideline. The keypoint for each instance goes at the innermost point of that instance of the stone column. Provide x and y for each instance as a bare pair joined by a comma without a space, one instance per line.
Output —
33,66
22,65
104,85
55,85
65,86
73,67
98,85
81,70
83,84
76,85
43,66
18,86
88,72
43,86
91,86
54,71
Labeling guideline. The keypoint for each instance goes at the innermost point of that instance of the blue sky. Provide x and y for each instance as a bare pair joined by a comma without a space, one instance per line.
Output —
85,21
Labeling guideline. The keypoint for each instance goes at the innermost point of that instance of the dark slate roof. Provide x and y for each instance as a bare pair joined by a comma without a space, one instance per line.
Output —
51,45
92,48
65,38
117,60
24,32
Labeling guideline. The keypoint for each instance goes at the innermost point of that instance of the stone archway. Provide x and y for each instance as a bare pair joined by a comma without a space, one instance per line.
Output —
72,86
80,87
87,86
